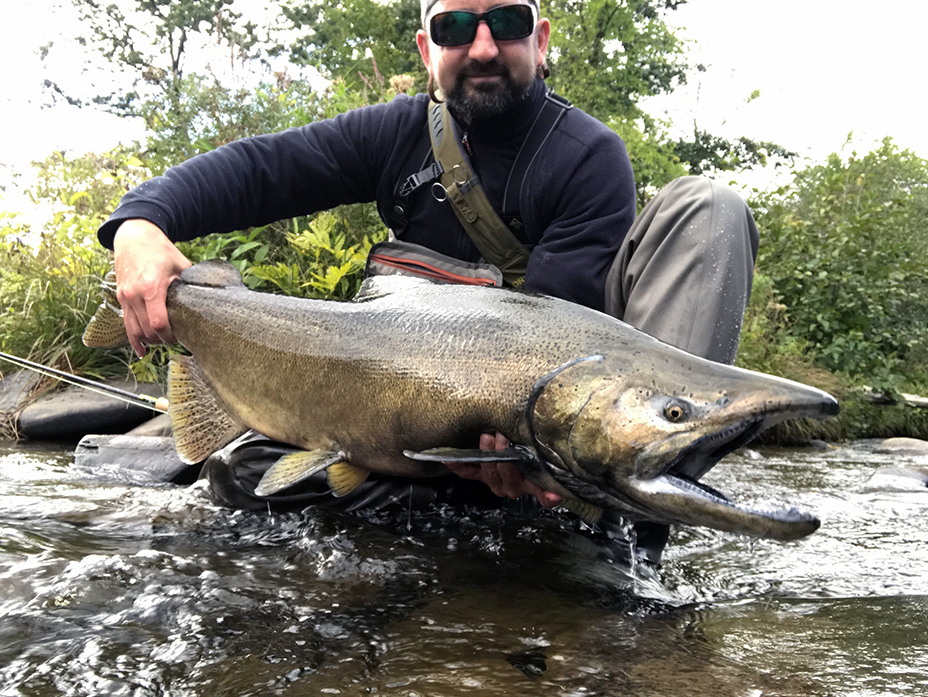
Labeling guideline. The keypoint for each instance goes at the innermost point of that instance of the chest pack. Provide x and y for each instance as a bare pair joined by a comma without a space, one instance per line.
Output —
451,177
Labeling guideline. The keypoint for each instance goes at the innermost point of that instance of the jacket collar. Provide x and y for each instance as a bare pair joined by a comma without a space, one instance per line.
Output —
513,124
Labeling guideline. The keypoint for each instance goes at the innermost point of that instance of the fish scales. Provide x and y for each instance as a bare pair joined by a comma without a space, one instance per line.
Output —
405,377
441,375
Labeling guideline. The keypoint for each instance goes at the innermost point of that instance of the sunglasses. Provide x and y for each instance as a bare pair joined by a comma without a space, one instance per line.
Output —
459,27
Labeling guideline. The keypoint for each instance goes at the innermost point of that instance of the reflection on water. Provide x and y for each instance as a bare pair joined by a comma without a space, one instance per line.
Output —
108,589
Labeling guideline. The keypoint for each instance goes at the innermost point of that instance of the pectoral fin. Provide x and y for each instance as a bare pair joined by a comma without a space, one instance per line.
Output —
199,419
514,453
296,467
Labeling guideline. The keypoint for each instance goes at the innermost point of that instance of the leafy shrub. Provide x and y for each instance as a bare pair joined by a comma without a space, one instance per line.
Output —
49,282
845,248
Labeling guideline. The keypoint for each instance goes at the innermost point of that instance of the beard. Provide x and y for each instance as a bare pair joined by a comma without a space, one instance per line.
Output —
471,102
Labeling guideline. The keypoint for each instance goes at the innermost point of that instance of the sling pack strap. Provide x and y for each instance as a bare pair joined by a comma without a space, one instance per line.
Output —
549,116
493,239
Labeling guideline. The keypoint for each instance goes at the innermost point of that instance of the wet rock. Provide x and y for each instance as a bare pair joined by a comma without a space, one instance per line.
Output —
903,446
132,460
74,412
158,426
901,478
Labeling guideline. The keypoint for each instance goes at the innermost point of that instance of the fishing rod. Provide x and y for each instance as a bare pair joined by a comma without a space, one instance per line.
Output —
143,400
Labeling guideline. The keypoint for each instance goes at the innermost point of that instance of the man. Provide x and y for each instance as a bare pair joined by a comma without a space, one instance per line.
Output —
682,272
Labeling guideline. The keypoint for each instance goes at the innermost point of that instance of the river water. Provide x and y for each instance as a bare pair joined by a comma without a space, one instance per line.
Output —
107,589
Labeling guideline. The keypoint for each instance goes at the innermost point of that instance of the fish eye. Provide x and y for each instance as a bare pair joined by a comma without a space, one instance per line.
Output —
675,411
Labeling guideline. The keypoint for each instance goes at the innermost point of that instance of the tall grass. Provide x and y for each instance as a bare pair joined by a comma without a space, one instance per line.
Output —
49,289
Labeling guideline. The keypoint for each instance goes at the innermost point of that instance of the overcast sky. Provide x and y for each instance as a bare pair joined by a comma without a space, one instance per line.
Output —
824,68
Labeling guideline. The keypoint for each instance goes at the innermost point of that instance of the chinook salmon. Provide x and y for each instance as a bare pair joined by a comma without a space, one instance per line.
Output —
408,374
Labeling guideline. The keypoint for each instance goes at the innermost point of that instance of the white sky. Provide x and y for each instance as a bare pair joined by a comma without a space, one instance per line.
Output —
824,68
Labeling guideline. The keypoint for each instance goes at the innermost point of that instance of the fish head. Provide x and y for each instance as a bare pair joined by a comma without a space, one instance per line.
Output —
636,438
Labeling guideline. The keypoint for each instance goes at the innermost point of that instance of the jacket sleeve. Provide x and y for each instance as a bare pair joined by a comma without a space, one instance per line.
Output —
588,204
255,181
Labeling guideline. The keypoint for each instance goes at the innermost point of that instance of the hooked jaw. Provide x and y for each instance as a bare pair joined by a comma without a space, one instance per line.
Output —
674,496
676,500
662,484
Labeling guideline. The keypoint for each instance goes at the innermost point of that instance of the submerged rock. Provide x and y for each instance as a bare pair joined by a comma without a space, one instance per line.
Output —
132,460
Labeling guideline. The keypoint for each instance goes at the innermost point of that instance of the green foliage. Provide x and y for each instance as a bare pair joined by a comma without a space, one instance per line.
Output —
49,282
357,41
321,256
707,153
653,159
204,114
327,266
768,347
845,249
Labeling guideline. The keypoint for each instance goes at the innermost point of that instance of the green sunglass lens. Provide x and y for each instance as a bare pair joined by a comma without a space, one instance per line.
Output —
456,28
513,22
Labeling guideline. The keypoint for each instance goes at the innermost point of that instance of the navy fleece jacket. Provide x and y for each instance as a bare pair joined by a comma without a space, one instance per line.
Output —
577,202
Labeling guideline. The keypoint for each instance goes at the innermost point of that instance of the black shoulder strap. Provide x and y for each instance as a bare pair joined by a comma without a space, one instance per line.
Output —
546,121
396,214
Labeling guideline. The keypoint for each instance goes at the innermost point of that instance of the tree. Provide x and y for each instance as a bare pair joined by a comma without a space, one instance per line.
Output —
357,40
605,55
148,44
708,153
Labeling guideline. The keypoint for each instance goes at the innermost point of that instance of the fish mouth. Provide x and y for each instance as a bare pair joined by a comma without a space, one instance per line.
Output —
703,454
677,494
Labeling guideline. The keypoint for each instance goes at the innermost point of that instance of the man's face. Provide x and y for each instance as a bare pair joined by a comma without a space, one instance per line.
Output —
485,77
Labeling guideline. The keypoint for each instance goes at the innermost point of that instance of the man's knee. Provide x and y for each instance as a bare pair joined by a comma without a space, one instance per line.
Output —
721,211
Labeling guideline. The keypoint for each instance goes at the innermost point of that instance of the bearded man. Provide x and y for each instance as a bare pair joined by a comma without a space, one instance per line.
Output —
563,190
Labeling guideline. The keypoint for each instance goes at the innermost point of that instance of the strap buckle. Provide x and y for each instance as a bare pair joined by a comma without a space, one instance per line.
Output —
414,181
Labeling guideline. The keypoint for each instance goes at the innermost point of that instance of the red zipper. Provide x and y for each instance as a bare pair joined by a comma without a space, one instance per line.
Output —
428,271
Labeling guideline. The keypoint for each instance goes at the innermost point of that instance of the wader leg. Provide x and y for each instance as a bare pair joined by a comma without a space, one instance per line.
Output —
684,271
683,275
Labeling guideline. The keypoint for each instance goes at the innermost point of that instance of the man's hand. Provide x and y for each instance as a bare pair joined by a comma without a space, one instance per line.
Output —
146,263
502,477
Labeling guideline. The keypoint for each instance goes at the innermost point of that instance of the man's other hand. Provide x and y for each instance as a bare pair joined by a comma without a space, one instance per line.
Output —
502,477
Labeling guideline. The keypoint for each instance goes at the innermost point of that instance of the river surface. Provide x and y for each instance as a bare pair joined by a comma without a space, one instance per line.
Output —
108,589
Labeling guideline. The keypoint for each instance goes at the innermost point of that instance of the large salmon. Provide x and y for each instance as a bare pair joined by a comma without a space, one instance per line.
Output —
407,376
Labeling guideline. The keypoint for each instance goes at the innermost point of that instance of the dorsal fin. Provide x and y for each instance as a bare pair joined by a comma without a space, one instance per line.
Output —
214,273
